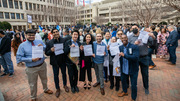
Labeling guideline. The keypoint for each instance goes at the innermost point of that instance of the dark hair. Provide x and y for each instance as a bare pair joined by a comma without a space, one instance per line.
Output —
164,30
1,31
92,38
17,39
53,30
75,31
152,27
66,30
31,31
114,37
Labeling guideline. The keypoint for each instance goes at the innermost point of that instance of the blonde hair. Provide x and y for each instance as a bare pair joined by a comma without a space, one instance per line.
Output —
157,29
98,31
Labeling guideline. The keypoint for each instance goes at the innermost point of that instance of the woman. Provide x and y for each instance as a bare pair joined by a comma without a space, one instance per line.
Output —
161,38
81,36
86,62
114,67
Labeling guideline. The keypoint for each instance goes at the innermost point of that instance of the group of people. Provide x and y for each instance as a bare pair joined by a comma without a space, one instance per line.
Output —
114,54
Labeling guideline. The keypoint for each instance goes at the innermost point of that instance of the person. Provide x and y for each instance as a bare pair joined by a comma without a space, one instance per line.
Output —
72,62
81,36
34,66
38,36
129,67
50,36
143,55
45,37
5,54
114,32
86,63
125,30
113,65
172,44
57,61
16,42
119,35
161,39
98,61
66,34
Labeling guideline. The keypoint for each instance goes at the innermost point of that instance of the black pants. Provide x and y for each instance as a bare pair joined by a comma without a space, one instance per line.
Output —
87,67
73,74
56,75
105,73
111,77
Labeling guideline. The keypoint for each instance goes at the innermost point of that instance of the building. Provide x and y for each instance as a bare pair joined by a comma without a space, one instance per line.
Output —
43,12
120,11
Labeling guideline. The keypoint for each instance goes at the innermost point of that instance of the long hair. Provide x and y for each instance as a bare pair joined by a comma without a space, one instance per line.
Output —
18,40
92,38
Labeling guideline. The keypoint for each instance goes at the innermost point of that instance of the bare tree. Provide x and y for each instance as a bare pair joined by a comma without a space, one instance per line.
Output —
173,3
99,20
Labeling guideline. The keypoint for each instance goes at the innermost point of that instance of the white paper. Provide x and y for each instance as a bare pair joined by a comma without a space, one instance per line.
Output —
100,50
116,58
116,69
74,51
88,50
58,49
106,61
144,36
37,52
114,49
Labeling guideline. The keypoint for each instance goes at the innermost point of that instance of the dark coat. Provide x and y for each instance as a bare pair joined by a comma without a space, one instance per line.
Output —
5,45
172,39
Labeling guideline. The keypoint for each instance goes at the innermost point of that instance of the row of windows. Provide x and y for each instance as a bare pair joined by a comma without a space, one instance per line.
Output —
59,2
12,4
8,15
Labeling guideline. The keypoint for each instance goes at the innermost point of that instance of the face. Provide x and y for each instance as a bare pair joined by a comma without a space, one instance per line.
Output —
113,40
30,37
163,30
107,35
80,33
55,34
119,34
75,36
124,40
99,37
88,38
17,36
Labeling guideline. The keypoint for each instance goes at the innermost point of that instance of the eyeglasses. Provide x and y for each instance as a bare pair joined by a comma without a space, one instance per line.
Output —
31,35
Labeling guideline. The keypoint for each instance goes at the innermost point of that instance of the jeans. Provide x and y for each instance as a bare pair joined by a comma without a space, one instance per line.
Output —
56,75
150,52
144,65
133,79
6,62
99,74
172,53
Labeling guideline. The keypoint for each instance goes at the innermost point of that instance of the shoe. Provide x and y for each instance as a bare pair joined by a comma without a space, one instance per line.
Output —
33,99
170,63
66,88
102,91
146,91
11,74
117,89
151,67
167,60
76,89
57,93
48,91
72,90
122,94
89,85
4,74
111,87
85,86
96,84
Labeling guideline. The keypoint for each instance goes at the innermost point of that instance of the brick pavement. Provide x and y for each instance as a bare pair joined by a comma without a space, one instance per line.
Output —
164,86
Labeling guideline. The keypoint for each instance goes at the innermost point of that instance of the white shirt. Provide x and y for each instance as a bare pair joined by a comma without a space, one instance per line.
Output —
38,37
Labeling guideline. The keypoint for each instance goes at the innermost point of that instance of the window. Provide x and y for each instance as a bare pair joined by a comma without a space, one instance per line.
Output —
17,15
34,7
0,3
38,7
22,16
20,3
42,8
30,6
1,15
12,16
7,15
4,3
26,4
16,4
10,4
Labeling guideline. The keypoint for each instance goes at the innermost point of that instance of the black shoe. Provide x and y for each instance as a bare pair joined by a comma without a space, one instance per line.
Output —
11,74
76,89
117,89
85,86
72,90
147,91
111,87
4,74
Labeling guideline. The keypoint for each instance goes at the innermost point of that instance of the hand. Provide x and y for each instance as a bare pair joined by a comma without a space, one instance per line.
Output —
151,34
93,55
35,59
73,45
136,42
121,54
104,53
77,62
108,47
40,45
53,49
81,47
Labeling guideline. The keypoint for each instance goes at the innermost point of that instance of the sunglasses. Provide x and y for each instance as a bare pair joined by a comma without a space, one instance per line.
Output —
55,32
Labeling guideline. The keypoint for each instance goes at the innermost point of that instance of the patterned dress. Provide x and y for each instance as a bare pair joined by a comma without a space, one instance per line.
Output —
161,39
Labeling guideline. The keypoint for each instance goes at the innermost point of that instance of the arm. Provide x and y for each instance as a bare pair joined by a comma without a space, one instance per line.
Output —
134,56
67,48
20,56
174,38
48,51
106,51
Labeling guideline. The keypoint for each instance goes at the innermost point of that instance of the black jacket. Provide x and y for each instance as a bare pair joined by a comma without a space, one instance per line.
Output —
68,37
55,60
5,45
67,50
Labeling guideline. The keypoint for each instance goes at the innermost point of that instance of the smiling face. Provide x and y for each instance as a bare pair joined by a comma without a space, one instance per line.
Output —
107,35
113,39
30,37
99,38
88,38
55,34
124,40
74,36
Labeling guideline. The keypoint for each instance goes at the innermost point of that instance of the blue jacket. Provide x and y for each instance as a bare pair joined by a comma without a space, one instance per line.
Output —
172,39
133,59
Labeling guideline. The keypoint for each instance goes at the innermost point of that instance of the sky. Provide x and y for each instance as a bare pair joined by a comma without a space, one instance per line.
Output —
87,1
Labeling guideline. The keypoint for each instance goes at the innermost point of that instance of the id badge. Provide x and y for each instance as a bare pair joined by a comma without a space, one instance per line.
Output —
130,50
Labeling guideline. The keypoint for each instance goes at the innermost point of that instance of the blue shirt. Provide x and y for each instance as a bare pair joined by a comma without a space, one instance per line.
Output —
24,53
99,59
125,61
75,43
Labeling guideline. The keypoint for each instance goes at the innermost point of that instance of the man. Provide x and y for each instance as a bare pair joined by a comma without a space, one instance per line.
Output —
38,36
66,34
172,44
143,58
118,36
129,67
125,30
34,66
5,54
99,60
57,61
152,47
72,62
